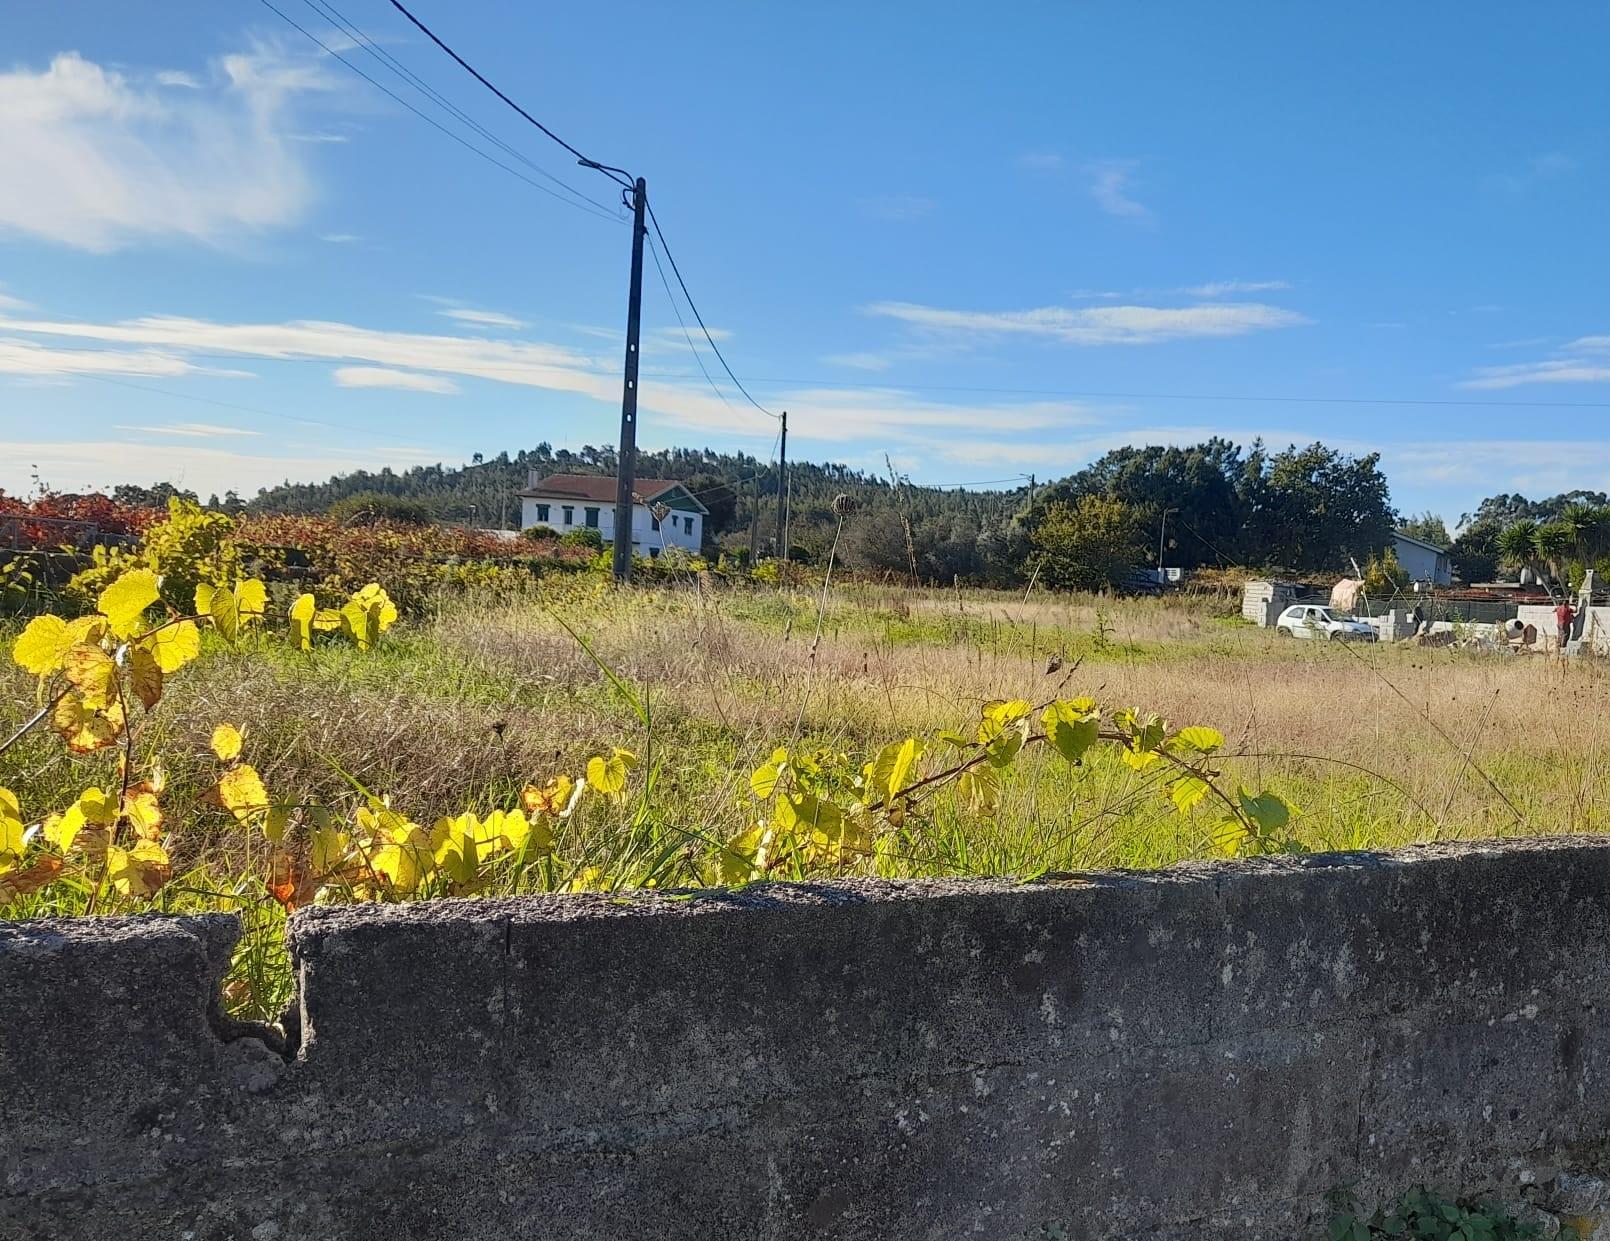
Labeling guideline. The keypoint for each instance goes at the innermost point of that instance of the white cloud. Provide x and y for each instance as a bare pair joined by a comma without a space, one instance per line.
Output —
339,239
193,430
1549,166
1558,371
1529,466
383,377
1111,181
1099,325
1219,288
896,206
112,160
26,357
177,77
826,414
482,318
859,361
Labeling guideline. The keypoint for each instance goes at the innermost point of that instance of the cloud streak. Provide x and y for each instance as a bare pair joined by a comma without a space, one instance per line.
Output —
1098,325
384,377
1111,182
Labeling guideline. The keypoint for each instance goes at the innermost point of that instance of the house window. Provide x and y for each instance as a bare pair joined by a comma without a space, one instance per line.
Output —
653,553
592,518
687,523
542,512
654,522
570,513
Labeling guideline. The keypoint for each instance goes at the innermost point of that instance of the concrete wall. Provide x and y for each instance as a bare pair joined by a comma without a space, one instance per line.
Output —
1200,1052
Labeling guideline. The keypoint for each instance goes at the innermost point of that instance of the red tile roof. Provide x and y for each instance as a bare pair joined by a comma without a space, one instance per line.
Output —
599,488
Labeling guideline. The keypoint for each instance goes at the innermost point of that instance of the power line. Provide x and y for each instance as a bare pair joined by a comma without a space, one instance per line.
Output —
693,306
328,10
430,120
614,174
688,336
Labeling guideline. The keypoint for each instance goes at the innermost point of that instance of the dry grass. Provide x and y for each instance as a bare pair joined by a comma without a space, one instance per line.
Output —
1377,746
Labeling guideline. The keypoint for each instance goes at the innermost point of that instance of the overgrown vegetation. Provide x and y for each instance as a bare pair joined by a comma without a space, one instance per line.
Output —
1420,1215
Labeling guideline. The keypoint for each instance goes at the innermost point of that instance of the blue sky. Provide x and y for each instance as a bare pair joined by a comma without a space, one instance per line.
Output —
985,241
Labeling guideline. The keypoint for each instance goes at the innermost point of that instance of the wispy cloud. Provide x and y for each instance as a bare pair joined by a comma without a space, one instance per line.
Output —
860,361
896,206
1540,169
27,357
1112,184
1583,360
825,414
339,239
192,430
384,377
1099,325
481,318
1222,288
113,160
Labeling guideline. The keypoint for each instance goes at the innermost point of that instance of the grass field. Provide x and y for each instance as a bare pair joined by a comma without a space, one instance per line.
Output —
1376,746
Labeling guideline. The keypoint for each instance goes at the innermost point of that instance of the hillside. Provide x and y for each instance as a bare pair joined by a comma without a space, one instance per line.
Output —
736,487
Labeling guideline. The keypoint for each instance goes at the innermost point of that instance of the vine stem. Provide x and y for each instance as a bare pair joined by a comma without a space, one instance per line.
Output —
816,638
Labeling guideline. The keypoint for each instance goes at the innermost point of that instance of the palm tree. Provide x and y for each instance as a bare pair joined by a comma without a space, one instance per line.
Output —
1554,543
1517,544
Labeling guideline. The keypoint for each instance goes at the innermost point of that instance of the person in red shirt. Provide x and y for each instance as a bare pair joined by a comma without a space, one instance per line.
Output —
1564,617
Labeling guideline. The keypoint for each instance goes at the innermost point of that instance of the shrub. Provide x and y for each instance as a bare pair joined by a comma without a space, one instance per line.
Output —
372,506
189,547
1090,544
583,536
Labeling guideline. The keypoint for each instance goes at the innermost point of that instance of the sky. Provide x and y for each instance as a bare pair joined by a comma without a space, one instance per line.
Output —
980,241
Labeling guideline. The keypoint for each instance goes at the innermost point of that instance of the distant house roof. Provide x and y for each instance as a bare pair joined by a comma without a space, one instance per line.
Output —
600,489
1409,538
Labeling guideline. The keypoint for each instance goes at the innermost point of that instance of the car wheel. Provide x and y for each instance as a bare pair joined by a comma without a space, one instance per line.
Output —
1282,632
1336,635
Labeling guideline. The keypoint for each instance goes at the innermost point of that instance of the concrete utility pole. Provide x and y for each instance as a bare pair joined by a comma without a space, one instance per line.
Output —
626,466
782,473
1162,526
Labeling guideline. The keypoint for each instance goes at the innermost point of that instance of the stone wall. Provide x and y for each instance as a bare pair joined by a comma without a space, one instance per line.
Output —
1197,1052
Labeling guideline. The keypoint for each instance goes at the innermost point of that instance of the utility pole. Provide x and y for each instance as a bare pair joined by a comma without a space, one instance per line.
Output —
782,473
626,466
1162,526
1031,491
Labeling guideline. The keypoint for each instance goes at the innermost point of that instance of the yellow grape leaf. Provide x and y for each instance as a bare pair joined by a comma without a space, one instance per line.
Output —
94,673
368,614
93,810
251,599
587,879
84,728
904,766
1202,740
1230,836
326,620
125,601
140,871
1186,792
143,811
1072,727
226,742
145,675
608,775
764,779
552,799
30,878
454,848
980,788
173,646
42,646
328,850
302,613
240,791
403,864
11,841
225,613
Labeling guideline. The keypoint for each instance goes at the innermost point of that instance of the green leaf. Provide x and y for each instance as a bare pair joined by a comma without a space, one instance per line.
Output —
764,779
1268,810
1186,792
1200,739
1071,730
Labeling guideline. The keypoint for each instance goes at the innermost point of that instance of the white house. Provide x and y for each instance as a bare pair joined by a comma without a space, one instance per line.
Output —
664,512
1422,561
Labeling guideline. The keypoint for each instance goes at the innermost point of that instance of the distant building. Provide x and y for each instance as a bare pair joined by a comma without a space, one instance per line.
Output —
1422,561
664,512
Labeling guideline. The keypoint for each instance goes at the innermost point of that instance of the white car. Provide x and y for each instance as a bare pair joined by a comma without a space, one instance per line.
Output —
1309,620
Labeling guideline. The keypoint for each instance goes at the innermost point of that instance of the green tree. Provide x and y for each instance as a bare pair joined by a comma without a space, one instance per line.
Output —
1314,508
1517,544
1475,553
1090,544
1427,526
